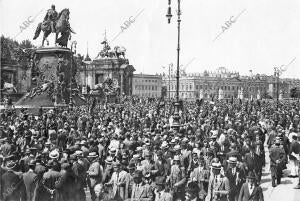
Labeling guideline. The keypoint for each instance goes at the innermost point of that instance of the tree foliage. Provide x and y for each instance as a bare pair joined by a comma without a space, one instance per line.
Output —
16,53
295,92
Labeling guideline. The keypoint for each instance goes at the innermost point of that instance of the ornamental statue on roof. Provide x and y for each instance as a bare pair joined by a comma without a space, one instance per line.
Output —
107,52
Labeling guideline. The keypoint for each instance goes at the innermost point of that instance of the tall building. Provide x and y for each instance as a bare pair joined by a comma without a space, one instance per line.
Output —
145,85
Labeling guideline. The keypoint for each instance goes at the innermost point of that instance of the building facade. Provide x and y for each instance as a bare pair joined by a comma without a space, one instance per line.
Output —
108,65
225,84
16,76
145,85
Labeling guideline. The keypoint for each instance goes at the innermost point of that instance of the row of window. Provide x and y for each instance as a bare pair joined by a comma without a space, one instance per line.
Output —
182,95
154,81
197,95
205,87
147,94
145,87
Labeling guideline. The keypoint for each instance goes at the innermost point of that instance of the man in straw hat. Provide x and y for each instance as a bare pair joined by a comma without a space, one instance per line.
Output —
218,187
200,175
129,179
236,177
250,191
94,173
49,179
108,169
177,178
117,182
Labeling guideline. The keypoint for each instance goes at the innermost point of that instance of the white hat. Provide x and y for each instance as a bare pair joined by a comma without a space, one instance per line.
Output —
78,153
177,147
54,154
232,160
216,165
195,151
164,144
112,150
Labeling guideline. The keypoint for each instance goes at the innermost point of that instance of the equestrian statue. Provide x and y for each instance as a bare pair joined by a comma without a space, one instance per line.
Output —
55,23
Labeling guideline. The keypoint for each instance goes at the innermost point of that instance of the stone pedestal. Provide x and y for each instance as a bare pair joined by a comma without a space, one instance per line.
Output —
280,95
201,96
55,79
221,94
258,96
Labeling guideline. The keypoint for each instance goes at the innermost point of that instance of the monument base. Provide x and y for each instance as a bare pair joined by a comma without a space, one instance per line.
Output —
55,68
44,101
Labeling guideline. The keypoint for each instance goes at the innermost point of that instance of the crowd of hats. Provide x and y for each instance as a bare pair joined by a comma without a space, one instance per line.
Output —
144,124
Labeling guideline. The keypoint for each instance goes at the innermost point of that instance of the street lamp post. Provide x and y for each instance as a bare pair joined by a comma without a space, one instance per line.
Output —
170,68
74,43
176,123
169,82
276,74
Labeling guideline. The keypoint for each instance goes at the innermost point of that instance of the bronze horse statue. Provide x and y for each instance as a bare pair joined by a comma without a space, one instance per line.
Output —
62,26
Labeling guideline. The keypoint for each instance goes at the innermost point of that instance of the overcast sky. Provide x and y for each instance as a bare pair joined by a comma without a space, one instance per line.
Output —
264,34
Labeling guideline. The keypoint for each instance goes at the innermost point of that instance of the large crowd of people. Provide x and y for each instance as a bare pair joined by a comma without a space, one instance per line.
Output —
131,151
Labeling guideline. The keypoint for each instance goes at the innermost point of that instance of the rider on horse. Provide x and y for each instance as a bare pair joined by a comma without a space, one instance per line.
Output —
51,17
55,23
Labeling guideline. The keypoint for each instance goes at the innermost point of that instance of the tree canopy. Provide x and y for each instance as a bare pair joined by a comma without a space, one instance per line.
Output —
13,52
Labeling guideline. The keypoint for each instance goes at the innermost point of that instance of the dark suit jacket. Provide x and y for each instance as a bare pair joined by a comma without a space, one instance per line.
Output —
276,153
163,169
251,163
234,186
49,179
29,181
256,195
80,175
65,185
12,187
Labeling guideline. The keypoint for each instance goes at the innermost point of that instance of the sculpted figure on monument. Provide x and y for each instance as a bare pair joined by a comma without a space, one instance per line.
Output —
61,85
55,23
120,51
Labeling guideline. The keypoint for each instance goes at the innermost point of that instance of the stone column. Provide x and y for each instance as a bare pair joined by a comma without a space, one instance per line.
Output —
90,79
